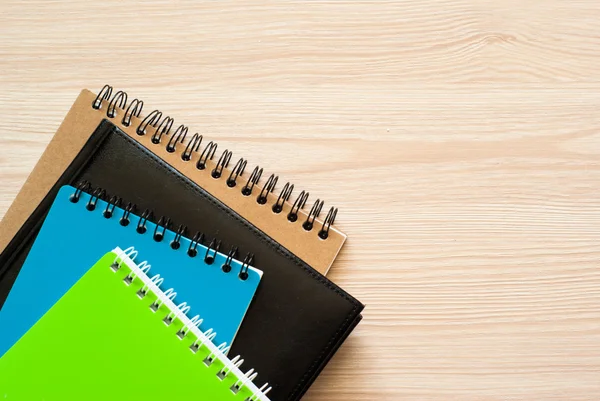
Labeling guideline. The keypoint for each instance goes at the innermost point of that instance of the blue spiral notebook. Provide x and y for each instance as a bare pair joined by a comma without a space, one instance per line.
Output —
82,227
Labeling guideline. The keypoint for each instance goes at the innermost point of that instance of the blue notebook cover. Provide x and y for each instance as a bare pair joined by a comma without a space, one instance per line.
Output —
72,231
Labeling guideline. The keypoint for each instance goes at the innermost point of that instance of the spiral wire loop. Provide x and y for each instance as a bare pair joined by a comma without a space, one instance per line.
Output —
133,110
221,164
315,211
141,226
159,231
230,256
192,147
252,181
327,223
97,194
283,197
298,205
124,220
237,170
267,189
151,119
248,261
207,154
113,202
211,251
104,94
83,186
118,100
196,240
163,129
178,137
176,243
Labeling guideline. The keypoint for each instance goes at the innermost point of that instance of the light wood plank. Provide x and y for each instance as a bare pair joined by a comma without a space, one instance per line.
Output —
461,140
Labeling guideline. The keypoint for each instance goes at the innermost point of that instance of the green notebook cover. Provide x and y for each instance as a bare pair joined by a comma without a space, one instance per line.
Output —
116,336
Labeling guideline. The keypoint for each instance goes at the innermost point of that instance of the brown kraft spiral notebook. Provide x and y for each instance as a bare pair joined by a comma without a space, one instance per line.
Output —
277,212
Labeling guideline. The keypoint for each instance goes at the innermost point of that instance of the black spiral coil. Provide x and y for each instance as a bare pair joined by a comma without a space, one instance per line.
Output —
237,170
164,223
230,256
112,203
159,127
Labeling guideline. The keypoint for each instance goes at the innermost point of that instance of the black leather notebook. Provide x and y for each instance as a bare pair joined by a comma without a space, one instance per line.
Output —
298,318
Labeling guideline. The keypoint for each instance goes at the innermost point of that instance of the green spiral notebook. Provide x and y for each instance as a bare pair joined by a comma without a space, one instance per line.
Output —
116,336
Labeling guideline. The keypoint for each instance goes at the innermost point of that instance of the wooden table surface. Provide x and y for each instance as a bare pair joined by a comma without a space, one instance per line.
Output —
460,139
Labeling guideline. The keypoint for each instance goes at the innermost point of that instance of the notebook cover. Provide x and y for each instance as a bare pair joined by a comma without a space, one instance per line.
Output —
82,120
84,235
102,341
298,317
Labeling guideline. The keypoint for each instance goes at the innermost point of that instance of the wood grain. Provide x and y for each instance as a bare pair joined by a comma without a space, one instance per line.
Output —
460,139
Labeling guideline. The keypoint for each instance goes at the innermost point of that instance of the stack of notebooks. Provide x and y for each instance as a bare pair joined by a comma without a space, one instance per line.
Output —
141,262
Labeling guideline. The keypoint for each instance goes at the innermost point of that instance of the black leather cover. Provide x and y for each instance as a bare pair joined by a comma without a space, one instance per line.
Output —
298,318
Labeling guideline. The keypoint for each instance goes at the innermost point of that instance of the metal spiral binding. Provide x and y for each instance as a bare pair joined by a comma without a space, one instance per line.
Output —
252,181
232,254
190,325
248,261
133,110
312,215
176,244
113,202
198,239
119,100
211,251
324,231
163,128
238,170
207,154
163,224
283,197
83,186
267,189
141,226
159,126
178,137
221,164
192,147
298,204
97,194
124,220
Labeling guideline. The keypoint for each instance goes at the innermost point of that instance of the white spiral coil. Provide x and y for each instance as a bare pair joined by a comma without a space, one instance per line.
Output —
190,325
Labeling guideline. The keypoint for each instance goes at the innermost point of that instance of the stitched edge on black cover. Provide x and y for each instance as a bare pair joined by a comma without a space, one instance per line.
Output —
316,371
310,370
266,239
